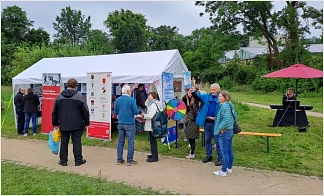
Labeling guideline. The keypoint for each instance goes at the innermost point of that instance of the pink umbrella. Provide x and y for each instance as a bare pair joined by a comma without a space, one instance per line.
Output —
296,71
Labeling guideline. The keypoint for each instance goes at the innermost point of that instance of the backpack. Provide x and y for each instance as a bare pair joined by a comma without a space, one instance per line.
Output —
159,124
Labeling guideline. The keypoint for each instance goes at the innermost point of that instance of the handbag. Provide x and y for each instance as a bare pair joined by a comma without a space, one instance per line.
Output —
159,124
236,127
54,146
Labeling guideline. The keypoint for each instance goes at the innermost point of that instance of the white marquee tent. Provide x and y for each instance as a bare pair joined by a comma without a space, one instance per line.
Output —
141,67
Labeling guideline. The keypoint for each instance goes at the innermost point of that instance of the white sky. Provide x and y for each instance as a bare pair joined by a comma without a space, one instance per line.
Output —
182,14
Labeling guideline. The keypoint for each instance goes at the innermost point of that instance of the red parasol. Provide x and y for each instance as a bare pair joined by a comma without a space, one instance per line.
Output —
296,71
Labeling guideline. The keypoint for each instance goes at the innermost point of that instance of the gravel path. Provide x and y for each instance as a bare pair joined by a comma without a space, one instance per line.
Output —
173,174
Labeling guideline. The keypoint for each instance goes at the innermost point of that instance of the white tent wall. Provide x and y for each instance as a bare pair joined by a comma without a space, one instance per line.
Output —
141,67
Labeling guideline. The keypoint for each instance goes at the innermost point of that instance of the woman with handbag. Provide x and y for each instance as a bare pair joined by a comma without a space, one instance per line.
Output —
153,106
224,128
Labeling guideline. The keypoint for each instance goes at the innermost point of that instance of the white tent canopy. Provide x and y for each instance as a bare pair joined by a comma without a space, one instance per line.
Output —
141,67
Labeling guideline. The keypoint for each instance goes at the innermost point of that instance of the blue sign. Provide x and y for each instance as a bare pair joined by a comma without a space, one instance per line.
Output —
187,79
172,132
167,86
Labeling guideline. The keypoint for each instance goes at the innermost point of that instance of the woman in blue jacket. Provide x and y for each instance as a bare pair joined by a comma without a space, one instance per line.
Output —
224,128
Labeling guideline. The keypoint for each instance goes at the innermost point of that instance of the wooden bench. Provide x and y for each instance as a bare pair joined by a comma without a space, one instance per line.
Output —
266,135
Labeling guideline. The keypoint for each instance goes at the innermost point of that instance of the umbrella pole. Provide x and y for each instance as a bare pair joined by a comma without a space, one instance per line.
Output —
296,94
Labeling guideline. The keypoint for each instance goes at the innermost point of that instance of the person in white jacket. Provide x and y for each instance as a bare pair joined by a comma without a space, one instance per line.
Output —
153,106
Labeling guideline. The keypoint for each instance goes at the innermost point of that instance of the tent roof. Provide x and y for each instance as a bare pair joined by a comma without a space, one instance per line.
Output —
141,67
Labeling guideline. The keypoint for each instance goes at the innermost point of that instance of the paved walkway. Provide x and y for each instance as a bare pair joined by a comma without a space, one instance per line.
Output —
308,113
173,174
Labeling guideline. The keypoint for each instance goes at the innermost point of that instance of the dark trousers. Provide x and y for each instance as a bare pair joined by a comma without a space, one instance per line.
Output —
77,146
192,143
20,121
153,144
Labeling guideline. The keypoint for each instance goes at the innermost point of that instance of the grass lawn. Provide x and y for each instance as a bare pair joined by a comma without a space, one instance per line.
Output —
21,180
293,152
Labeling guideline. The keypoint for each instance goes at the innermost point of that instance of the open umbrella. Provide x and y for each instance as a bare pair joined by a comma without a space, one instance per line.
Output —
296,71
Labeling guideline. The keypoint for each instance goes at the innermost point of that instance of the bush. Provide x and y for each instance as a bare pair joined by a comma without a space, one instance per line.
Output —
227,83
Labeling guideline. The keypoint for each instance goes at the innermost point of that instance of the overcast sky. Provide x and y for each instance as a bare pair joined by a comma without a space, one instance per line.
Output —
182,14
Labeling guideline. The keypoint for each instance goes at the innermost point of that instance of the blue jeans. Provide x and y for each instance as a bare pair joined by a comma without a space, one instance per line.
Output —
124,130
209,134
33,116
225,142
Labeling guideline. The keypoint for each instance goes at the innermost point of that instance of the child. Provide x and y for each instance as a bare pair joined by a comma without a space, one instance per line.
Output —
192,129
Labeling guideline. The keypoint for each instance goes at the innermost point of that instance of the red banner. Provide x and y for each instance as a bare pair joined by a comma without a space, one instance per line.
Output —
99,130
49,95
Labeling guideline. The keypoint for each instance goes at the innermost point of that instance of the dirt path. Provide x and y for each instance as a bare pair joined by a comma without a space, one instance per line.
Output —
173,174
309,113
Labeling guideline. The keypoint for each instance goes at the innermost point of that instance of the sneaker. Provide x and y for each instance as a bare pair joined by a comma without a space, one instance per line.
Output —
132,163
34,134
190,156
218,163
207,159
220,173
62,163
120,162
25,134
230,171
78,163
189,145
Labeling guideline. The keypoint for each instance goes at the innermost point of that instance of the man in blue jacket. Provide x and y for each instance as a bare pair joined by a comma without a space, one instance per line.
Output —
206,118
126,109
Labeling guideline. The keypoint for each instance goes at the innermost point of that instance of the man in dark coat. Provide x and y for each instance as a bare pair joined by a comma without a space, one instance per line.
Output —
140,102
18,101
71,115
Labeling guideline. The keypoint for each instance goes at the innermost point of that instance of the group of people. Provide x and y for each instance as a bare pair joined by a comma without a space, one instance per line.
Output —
126,109
214,114
26,105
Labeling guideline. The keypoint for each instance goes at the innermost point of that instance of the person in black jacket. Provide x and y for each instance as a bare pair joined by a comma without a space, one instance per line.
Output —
70,114
18,100
30,103
140,102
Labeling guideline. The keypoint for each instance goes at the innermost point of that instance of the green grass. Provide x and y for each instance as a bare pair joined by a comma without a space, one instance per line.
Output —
293,152
21,180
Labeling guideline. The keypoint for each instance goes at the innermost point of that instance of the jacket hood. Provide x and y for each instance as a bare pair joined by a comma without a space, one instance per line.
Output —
68,93
30,96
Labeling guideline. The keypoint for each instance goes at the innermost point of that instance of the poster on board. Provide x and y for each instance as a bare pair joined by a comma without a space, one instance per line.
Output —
187,80
167,86
99,103
49,91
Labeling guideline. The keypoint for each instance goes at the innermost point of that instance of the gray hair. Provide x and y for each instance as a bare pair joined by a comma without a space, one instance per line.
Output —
216,85
125,88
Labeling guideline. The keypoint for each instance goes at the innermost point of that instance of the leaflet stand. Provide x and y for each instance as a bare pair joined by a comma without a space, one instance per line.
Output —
176,143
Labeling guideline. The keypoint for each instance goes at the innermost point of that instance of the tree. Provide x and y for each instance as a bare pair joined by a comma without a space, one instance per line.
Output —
37,37
162,37
14,24
128,31
260,20
72,27
99,42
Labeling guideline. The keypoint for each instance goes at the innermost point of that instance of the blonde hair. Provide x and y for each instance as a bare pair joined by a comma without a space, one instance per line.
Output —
226,95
